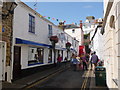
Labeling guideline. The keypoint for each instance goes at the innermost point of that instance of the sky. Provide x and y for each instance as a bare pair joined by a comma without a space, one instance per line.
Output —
71,12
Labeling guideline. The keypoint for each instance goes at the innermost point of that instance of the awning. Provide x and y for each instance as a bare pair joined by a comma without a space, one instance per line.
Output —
60,48
21,41
57,47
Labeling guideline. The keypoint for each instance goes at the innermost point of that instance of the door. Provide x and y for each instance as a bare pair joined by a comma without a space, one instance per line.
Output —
3,60
16,63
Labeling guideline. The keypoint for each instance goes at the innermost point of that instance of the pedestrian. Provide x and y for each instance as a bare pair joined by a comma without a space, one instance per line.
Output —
59,59
94,59
87,59
78,63
74,62
71,60
91,61
84,62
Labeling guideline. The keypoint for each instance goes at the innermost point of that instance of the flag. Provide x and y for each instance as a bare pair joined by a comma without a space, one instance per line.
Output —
64,21
48,17
44,16
57,19
35,8
53,18
40,15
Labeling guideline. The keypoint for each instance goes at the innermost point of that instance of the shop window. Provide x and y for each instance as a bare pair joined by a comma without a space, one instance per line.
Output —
35,56
50,56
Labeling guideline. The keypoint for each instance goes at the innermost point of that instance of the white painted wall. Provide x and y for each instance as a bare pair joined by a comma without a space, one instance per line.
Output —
77,34
97,44
111,43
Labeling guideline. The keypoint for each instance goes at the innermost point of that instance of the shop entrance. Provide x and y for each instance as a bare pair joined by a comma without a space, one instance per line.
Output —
16,63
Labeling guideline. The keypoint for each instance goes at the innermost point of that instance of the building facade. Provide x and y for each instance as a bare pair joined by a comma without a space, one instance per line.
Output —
111,48
96,39
74,31
32,47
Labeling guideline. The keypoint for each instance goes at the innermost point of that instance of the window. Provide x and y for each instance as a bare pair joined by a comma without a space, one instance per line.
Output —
31,24
35,56
73,31
50,56
50,30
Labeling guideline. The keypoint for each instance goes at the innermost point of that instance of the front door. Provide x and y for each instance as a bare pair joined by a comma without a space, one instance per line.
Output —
16,63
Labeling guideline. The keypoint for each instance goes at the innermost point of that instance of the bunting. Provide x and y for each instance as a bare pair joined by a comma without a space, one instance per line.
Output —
47,17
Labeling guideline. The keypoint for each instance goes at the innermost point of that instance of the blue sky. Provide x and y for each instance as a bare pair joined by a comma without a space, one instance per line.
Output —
71,12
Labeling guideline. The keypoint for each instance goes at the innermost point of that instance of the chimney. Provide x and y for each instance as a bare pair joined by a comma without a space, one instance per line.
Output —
61,25
81,24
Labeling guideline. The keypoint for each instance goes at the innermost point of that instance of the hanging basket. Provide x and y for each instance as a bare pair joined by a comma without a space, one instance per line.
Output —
54,38
68,45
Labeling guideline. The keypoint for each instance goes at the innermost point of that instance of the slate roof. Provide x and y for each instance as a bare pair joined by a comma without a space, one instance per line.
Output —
70,26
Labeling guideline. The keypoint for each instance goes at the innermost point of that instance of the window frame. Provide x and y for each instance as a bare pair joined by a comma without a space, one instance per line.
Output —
34,56
50,32
31,23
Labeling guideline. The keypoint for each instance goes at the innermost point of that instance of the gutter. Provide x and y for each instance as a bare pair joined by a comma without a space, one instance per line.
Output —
99,26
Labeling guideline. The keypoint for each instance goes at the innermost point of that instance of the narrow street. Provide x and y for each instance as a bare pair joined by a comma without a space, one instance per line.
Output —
65,79
62,77
53,45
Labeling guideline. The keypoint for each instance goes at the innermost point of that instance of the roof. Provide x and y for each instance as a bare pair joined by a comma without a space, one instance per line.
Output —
70,26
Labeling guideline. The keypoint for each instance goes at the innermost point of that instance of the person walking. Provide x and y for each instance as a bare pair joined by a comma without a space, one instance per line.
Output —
59,59
74,63
87,59
83,58
94,59
91,61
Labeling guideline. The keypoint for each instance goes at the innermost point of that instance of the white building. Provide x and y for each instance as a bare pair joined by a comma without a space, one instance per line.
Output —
31,45
74,31
97,40
111,43
89,24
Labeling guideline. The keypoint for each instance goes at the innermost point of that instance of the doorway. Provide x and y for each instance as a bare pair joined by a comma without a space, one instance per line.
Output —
16,63
3,59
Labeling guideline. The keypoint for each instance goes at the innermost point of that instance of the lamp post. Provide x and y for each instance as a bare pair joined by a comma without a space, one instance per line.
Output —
54,40
68,45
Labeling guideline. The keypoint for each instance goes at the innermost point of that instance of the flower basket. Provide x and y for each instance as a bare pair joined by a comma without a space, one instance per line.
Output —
68,45
54,38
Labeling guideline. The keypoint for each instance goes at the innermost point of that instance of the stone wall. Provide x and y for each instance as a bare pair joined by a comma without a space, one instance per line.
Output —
7,31
111,43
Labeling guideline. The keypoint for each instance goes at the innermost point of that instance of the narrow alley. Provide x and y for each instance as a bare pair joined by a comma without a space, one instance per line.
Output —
60,45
